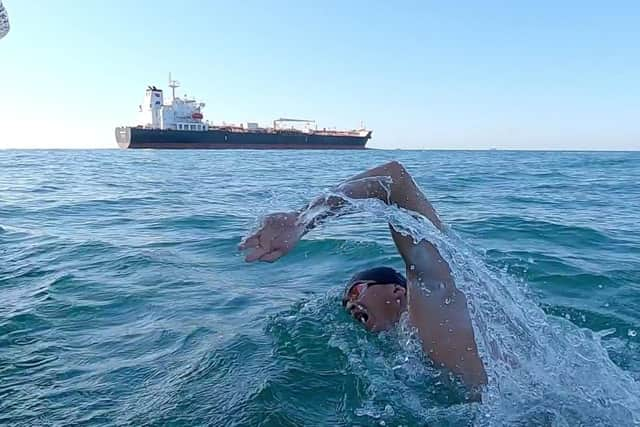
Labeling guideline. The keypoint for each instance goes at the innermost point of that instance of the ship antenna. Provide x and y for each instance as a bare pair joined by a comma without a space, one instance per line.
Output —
173,84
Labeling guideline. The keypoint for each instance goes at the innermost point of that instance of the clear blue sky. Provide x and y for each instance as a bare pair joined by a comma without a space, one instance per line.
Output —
463,74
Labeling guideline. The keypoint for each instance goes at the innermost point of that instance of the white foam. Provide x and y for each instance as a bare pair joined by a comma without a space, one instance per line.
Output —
541,368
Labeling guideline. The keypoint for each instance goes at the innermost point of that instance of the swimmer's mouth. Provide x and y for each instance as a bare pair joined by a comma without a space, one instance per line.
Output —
361,317
358,312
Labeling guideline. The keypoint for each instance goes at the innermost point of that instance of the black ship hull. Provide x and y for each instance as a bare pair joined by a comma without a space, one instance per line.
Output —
215,139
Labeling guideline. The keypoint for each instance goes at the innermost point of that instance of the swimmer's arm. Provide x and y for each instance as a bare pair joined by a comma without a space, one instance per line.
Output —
280,232
439,311
390,183
436,307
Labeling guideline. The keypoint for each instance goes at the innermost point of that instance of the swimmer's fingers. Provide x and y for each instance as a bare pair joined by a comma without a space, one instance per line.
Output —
260,254
254,240
271,256
249,242
255,254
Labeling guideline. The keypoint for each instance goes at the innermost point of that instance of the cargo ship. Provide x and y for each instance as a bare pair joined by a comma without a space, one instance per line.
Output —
181,125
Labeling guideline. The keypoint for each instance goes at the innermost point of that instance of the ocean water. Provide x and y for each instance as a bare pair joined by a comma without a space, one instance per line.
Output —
124,300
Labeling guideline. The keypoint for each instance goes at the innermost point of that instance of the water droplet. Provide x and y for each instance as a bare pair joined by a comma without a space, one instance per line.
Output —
388,410
567,316
632,332
600,286
606,304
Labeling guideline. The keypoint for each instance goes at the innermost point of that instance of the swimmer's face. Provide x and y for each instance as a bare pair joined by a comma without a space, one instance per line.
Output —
377,306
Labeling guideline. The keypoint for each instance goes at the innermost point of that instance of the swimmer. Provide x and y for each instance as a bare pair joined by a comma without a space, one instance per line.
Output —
377,298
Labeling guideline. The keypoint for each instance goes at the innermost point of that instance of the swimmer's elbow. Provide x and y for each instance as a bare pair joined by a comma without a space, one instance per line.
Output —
396,169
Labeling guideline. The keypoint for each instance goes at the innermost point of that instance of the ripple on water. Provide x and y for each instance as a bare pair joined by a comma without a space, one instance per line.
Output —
126,303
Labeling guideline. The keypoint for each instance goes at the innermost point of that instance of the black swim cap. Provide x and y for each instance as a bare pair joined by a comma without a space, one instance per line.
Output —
379,275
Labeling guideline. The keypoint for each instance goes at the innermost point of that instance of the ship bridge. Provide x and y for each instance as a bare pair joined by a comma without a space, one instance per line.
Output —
180,114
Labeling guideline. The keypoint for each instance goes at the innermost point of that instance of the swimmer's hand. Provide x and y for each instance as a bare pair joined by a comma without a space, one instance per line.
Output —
279,233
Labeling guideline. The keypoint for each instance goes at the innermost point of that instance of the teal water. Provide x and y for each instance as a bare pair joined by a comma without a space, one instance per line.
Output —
125,302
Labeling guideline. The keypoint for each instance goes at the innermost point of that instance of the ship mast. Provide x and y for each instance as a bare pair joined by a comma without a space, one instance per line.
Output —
173,84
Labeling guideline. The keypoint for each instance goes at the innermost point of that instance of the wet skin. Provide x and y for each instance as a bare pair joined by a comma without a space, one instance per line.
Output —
435,306
377,306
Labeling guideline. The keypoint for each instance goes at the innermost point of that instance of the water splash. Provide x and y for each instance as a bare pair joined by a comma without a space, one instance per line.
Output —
542,369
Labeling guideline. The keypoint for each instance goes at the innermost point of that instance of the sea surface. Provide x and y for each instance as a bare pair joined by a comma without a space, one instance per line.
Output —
124,300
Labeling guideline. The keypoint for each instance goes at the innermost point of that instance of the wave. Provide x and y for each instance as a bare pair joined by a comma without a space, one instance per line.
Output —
529,228
540,366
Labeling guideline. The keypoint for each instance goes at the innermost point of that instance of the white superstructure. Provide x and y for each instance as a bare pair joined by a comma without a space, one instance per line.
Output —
182,114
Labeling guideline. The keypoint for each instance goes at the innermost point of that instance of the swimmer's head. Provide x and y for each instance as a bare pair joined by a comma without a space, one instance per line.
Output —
376,298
